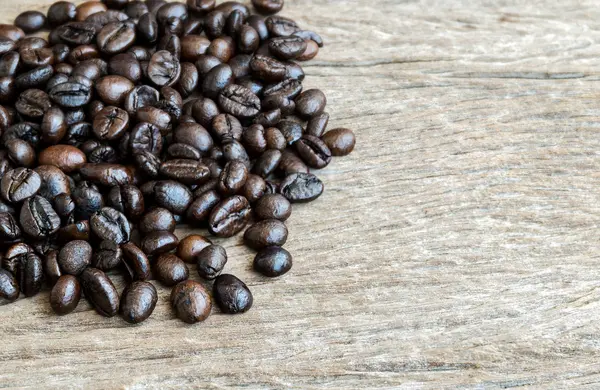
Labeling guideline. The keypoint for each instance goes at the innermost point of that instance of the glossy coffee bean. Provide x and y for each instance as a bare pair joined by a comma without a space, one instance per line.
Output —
110,224
71,94
239,101
9,228
20,153
227,125
229,216
312,49
65,294
116,37
269,232
88,200
185,171
37,218
147,28
267,163
52,271
127,199
310,103
65,207
19,184
313,151
158,242
33,103
201,208
61,12
75,257
139,97
273,261
157,219
136,262
164,69
290,163
54,126
211,260
172,195
193,46
287,48
183,151
9,288
231,294
190,247
138,302
110,123
29,273
301,187
100,291
267,68
216,80
67,158
273,206
268,7
113,89
88,8
340,141
146,137
254,188
232,178
107,256
195,135
203,110
191,302
170,269
317,124
11,32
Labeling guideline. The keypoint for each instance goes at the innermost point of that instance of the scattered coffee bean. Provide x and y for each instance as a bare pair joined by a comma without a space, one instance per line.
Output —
340,141
138,302
65,294
211,260
273,206
266,233
273,261
75,257
100,291
191,301
190,247
231,294
170,269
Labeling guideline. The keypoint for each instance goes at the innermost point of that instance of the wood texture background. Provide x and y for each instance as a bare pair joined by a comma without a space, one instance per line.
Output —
457,247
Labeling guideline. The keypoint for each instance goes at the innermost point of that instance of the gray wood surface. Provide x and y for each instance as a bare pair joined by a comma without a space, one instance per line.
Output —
457,247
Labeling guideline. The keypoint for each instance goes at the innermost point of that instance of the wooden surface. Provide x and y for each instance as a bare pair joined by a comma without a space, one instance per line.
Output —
457,247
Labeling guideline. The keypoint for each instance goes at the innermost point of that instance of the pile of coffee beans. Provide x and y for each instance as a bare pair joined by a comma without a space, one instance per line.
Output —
133,117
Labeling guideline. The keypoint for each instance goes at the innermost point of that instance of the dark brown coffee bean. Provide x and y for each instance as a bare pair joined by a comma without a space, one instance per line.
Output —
54,126
106,174
19,184
8,89
201,6
170,269
293,71
267,68
312,49
76,33
136,262
340,141
164,69
146,137
310,103
227,125
71,94
9,289
254,188
128,200
275,139
158,242
172,195
75,257
266,233
205,63
110,224
239,101
258,23
276,101
112,90
211,260
107,256
203,110
61,12
195,135
65,207
91,69
138,302
20,153
268,7
216,80
233,150
29,273
191,302
9,228
188,81
65,294
273,206
110,123
200,209
126,65
185,171
191,246
65,157
51,267
35,78
313,151
273,261
100,291
229,216
317,124
183,151
231,294
248,39
170,43
135,9
11,32
10,63
301,187
147,28
79,230
13,256
193,46
292,131
88,200
281,27
268,118
139,97
54,181
287,48
233,177
84,10
156,220
101,19
85,53
38,219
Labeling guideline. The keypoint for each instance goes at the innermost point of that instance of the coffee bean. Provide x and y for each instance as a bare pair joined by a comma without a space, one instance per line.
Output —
29,273
88,200
239,101
233,177
312,49
211,260
100,291
301,187
195,135
66,158
146,137
172,195
9,228
65,207
157,219
128,200
110,224
185,171
103,154
190,246
267,68
227,125
11,32
53,181
287,48
188,81
228,7
107,256
268,7
183,151
135,9
229,216
203,110
310,103
35,78
51,267
264,233
91,69
106,174
317,124
193,46
170,269
9,289
136,262
216,80
313,151
116,37
19,184
71,94
275,139
20,153
138,302
76,33
38,219
61,12
54,126
65,294
75,257
191,302
155,243
290,163
231,294
281,27
254,188
79,230
164,69
139,97
200,6
147,28
112,90
273,206
201,208
340,141
110,123
273,261
88,8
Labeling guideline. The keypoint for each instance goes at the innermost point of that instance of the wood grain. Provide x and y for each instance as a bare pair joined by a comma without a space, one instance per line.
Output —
457,247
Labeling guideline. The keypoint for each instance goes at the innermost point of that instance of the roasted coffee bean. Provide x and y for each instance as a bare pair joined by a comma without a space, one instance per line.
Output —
276,101
146,137
201,6
229,216
201,208
254,139
29,273
19,184
25,131
51,267
101,19
107,256
138,302
53,181
275,139
65,207
317,124
188,81
60,69
75,257
38,219
184,151
310,103
128,200
268,7
231,294
113,89
164,69
293,71
91,69
216,80
312,49
135,9
13,256
203,110
273,206
267,68
84,53
288,88
292,131
78,133
158,242
76,33
170,269
228,7
88,8
106,174
185,171
193,46
157,219
191,302
79,230
136,262
148,163
281,27
103,154
264,233
20,153
11,32
37,57
65,157
268,118
254,188
310,35
61,12
205,63
195,135
116,37
191,246
340,141
10,63
87,200
287,48
233,150
313,151
110,123
301,187
172,195
170,43
54,126
71,94
213,165
233,177
8,89
126,65
65,294
227,125
9,228
110,224
35,78
214,24
273,261
100,291
211,260
9,288
147,28
154,116
139,97
239,101
234,23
